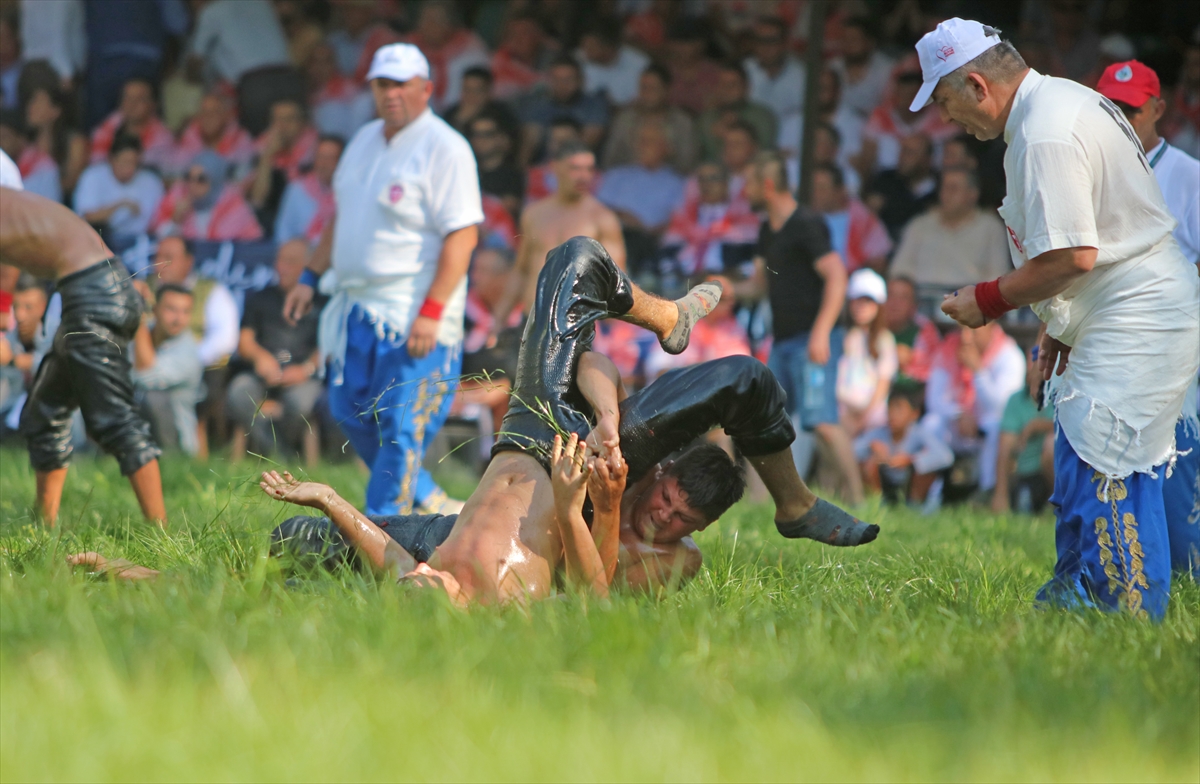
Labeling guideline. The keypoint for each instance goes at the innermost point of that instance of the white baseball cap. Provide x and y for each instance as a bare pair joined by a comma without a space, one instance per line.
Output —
866,283
954,43
398,62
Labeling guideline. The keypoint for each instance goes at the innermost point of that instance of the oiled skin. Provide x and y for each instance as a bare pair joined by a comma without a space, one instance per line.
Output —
44,238
506,544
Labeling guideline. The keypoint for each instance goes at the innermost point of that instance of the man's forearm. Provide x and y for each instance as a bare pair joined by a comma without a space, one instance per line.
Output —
322,255
378,548
453,263
1046,275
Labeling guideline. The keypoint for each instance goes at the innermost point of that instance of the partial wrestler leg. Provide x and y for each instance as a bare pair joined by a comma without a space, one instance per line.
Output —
740,395
46,427
578,286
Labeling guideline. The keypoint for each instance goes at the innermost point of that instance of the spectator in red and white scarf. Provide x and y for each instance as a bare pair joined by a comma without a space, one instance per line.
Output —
308,200
518,61
339,104
917,338
201,206
449,47
974,373
892,121
215,127
136,114
38,170
855,232
285,150
701,228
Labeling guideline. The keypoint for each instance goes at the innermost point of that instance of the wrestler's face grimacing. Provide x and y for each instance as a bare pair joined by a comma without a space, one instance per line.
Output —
662,513
687,494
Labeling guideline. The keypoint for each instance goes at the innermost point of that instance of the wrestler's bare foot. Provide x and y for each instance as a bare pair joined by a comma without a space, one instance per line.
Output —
693,306
118,568
285,487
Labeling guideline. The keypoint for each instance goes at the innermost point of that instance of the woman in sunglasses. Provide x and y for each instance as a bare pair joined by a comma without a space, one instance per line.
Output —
201,206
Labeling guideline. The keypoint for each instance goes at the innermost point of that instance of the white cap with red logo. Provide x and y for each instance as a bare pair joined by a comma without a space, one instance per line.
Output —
954,43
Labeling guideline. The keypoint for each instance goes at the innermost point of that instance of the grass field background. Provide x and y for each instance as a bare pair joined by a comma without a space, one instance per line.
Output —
918,657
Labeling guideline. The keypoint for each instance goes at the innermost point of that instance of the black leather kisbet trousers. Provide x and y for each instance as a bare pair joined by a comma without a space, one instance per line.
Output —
578,286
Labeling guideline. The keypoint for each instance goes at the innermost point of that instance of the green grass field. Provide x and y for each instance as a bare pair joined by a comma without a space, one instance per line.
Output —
918,657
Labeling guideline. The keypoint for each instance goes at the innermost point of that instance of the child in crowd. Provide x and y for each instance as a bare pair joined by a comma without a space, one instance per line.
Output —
902,459
1025,464
869,361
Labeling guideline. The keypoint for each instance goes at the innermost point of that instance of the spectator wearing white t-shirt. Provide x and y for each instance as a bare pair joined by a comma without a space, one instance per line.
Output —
235,37
119,194
608,66
407,205
1089,234
777,79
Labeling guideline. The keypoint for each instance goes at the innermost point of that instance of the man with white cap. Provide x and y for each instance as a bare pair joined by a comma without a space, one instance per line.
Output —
1090,238
1135,89
407,209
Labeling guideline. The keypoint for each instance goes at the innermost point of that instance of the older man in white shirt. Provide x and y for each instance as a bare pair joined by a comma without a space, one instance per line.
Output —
408,205
1135,89
1090,237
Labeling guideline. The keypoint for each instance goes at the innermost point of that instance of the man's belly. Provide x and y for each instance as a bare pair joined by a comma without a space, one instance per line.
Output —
505,545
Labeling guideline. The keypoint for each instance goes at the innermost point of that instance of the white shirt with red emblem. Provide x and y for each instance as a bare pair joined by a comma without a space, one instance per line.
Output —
396,201
1077,177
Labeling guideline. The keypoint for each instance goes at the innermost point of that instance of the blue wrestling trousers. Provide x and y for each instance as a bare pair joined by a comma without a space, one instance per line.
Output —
390,406
1181,496
1111,538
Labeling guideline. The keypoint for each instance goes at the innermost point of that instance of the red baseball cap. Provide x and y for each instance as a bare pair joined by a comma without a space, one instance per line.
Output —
1131,83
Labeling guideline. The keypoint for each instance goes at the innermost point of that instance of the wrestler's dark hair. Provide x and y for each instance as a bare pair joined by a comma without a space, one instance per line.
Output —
712,480
173,288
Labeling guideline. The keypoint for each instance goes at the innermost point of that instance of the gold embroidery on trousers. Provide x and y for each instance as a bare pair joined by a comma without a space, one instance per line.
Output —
1130,556
424,407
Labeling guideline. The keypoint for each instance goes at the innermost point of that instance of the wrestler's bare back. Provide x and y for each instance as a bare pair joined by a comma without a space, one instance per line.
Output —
550,222
44,238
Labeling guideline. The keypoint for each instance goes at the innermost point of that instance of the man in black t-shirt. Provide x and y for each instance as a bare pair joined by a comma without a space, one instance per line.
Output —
493,145
804,279
274,398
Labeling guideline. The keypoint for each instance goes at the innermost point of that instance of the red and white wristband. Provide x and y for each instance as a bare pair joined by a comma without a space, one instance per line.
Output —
991,302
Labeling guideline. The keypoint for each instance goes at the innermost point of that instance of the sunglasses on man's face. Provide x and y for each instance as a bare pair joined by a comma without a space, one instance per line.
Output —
196,177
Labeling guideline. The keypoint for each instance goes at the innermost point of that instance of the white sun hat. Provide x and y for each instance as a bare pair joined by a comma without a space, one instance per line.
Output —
954,43
398,62
868,284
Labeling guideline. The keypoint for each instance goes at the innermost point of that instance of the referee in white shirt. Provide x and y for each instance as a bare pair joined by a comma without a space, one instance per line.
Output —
408,207
1090,237
1136,91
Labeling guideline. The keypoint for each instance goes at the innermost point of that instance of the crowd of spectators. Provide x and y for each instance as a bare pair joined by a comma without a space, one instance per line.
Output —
224,120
